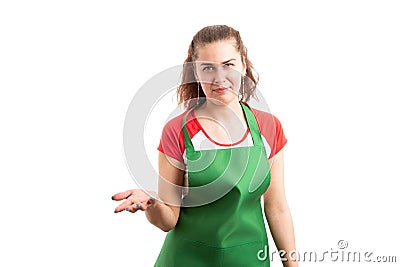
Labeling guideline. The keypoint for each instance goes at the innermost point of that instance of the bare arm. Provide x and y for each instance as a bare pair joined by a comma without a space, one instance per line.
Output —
164,214
277,211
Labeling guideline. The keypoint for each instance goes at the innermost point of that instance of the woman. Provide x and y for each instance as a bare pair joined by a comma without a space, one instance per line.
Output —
221,225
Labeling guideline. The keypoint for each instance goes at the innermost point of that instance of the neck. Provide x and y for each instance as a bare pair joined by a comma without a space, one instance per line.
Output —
222,112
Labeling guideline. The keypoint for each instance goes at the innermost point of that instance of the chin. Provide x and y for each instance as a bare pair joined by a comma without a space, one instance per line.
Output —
223,100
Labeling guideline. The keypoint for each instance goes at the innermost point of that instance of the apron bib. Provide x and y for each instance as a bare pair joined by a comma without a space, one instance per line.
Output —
229,229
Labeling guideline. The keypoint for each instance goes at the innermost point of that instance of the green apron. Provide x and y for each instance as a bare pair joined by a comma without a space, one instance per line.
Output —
230,230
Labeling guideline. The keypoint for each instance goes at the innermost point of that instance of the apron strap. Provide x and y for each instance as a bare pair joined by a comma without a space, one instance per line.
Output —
253,125
186,136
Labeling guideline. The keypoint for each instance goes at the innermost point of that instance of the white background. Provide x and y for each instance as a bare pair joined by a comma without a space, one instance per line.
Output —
69,69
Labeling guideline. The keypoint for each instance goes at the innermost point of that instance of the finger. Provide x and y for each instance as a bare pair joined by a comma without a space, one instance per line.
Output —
122,195
151,201
123,206
147,203
143,205
133,208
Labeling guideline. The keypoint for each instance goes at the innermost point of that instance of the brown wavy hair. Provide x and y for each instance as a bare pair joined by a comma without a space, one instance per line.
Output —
187,90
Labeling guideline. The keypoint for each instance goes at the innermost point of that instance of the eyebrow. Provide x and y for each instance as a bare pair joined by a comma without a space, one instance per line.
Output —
210,63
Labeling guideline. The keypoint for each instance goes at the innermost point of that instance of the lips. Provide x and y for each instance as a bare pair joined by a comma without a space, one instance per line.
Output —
221,90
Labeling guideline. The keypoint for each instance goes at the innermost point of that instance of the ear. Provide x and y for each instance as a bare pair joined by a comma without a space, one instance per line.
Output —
244,68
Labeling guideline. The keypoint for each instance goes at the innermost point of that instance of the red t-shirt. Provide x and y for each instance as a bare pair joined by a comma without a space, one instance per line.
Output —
172,142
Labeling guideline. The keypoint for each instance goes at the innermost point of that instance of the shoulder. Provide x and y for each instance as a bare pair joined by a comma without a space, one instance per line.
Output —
172,140
175,124
265,120
271,130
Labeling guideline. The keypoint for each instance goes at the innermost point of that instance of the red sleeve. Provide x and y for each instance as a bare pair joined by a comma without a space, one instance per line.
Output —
280,138
271,129
171,142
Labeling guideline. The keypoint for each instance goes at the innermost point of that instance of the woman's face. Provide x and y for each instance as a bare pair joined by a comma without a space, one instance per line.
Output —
219,69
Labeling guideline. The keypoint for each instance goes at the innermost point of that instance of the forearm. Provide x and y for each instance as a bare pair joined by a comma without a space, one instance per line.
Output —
161,215
282,230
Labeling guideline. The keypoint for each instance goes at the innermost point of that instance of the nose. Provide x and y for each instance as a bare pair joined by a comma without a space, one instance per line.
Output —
219,75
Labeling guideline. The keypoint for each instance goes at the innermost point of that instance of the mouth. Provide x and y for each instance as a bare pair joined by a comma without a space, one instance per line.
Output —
221,90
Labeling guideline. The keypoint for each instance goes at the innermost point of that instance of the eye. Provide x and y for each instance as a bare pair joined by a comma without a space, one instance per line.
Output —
208,68
229,64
